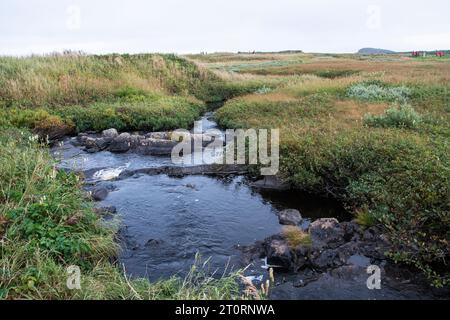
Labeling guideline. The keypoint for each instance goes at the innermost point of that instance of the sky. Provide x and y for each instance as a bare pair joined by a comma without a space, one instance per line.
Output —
192,26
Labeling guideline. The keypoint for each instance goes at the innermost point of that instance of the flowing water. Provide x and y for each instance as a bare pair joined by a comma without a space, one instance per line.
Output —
167,220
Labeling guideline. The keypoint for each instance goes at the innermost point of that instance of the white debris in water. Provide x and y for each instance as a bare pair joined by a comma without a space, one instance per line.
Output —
268,266
110,173
255,278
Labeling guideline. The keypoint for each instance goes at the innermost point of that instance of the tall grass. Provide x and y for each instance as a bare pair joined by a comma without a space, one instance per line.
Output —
74,79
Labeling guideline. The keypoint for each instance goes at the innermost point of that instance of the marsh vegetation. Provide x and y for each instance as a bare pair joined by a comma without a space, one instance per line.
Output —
370,131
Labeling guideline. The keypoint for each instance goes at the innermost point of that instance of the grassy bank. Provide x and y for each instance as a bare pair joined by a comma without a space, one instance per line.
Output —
377,140
64,94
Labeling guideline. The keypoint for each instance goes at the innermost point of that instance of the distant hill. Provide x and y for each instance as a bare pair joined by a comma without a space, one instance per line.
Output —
271,52
375,51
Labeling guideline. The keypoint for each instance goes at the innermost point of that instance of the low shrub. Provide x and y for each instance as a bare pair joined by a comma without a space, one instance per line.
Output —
333,74
376,91
40,121
396,117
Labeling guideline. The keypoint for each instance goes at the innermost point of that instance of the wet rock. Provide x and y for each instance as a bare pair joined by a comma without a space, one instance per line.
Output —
153,243
327,233
121,143
99,194
158,135
370,235
352,231
358,261
273,183
333,257
151,146
191,186
110,134
301,258
106,211
82,137
290,217
326,259
279,254
305,278
91,145
252,252
207,170
101,143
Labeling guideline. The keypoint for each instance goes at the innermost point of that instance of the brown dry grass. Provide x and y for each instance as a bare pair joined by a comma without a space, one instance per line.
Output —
296,237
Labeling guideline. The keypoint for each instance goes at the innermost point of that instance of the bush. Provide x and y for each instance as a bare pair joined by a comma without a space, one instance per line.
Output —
375,91
40,121
398,117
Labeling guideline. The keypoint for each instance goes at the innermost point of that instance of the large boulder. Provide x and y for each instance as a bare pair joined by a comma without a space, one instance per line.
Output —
90,144
278,253
102,143
110,134
290,217
122,143
151,146
327,233
99,194
158,135
271,183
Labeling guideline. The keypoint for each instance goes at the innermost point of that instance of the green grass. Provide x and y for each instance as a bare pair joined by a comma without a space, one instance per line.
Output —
71,79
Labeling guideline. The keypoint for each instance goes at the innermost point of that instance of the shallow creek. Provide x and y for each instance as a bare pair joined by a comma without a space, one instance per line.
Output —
165,221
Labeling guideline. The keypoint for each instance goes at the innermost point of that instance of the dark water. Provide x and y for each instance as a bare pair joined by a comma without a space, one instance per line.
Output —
167,220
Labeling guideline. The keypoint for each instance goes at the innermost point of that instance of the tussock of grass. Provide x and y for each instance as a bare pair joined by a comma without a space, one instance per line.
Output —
296,237
364,218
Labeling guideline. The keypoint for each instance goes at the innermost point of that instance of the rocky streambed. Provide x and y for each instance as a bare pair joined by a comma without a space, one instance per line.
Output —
168,212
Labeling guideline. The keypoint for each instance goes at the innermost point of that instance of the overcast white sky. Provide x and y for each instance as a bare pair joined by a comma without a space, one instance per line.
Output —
183,26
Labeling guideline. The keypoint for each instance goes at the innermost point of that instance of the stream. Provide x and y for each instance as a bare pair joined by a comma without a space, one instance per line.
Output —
166,221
